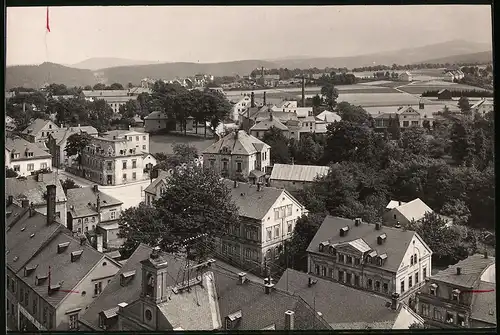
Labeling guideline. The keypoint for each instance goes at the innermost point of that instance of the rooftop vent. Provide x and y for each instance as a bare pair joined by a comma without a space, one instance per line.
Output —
268,288
344,230
75,255
357,221
381,239
23,228
53,288
39,280
29,270
122,304
62,246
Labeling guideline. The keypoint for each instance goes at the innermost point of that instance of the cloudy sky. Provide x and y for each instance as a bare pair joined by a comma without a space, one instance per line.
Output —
213,34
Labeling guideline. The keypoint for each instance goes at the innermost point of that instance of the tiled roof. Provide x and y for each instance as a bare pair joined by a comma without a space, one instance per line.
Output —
162,176
414,210
298,172
62,270
242,144
260,310
13,213
252,203
156,116
282,116
395,245
114,293
63,133
340,305
79,198
268,124
328,116
484,306
34,190
20,145
471,269
105,93
36,126
20,245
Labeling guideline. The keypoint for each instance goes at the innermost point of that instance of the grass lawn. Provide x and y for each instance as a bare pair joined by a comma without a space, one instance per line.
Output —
163,143
419,89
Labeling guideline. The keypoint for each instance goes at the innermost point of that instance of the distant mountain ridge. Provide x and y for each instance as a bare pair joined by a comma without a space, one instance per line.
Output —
477,57
107,62
36,76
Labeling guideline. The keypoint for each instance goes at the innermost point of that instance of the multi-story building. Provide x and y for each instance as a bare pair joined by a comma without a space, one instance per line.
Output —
90,210
267,218
369,257
56,142
406,117
360,310
114,98
295,177
116,157
240,107
238,155
34,189
155,121
462,296
25,157
39,130
156,188
51,276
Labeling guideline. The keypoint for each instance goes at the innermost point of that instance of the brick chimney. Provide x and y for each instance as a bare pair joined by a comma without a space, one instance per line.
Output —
259,186
51,204
289,320
252,99
264,98
378,226
394,301
459,271
99,243
32,210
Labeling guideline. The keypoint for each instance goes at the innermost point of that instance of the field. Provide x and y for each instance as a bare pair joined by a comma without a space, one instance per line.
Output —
378,99
436,85
163,143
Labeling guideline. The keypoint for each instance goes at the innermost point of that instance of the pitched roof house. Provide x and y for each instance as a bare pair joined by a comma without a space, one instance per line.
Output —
39,129
293,177
25,157
360,310
402,213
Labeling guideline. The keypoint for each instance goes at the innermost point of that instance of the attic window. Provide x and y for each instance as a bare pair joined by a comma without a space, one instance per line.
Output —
381,259
332,250
455,294
433,289
322,246
382,238
232,319
54,287
16,258
75,255
126,277
62,246
40,279
344,230
28,270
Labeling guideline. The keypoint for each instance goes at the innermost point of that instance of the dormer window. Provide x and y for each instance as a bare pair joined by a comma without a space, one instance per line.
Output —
232,320
333,251
433,289
323,246
455,295
126,277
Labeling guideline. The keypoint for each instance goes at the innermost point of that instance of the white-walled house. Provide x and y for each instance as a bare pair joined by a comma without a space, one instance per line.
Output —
370,257
39,130
240,107
25,157
155,121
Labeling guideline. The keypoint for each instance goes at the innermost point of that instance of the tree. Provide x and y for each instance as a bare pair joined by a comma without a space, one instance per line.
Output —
100,115
279,145
196,201
306,151
413,140
462,145
464,105
10,173
394,128
436,148
76,144
69,184
130,85
354,114
183,154
99,87
128,110
140,224
330,94
457,210
88,88
115,86
426,124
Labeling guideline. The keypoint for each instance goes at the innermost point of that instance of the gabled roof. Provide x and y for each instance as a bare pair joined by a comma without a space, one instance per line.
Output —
156,116
484,307
114,293
292,172
63,133
238,143
20,246
408,110
470,274
21,146
79,199
252,203
328,116
34,190
357,306
414,210
394,203
162,176
260,310
63,270
36,126
268,124
395,245
443,90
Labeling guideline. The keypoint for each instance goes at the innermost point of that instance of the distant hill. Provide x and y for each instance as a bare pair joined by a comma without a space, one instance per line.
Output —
105,62
35,76
134,74
477,57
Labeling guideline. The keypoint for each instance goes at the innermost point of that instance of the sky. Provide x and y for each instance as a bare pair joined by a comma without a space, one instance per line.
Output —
228,33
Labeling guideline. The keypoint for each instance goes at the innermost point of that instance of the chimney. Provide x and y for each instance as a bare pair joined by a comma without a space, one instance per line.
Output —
485,254
78,125
459,271
25,203
399,203
39,177
243,277
265,98
32,210
235,184
252,100
98,205
268,288
289,320
394,301
357,221
421,105
83,239
271,115
311,282
99,243
10,200
51,204
95,188
62,126
259,186
378,226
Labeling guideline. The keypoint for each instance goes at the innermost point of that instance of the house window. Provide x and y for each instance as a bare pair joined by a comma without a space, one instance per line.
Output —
406,123
461,320
21,291
134,163
113,214
92,219
212,163
450,318
238,167
269,232
134,176
402,286
276,231
124,165
455,295
290,226
143,147
348,278
317,269
276,214
44,316
357,261
43,165
341,258
73,321
323,270
31,167
288,210
411,260
370,284
424,274
437,314
356,280
386,287
377,286
124,177
425,310
349,260
415,260
410,282
137,138
17,168
341,276
224,165
97,288
109,165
